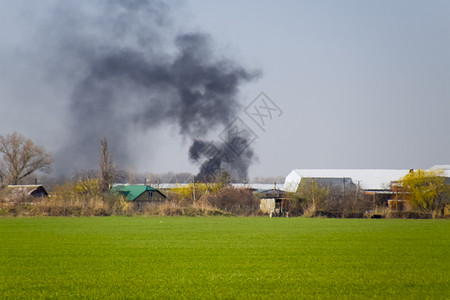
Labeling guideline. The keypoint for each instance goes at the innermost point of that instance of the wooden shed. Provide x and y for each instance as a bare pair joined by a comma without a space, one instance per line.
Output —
274,202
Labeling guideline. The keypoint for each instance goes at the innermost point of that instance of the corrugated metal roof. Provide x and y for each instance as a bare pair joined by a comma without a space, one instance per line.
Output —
273,193
258,186
132,191
172,185
255,186
373,179
368,179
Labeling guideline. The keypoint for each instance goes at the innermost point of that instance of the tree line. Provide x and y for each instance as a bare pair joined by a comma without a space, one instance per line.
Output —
423,192
88,193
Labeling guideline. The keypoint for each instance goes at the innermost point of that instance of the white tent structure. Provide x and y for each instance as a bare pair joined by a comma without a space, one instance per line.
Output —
445,168
367,179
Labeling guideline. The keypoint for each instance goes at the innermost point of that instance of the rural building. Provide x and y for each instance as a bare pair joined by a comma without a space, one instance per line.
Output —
35,191
371,180
250,186
273,201
139,193
15,193
257,187
374,182
378,183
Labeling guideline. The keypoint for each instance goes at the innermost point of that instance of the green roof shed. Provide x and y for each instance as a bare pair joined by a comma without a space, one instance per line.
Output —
139,192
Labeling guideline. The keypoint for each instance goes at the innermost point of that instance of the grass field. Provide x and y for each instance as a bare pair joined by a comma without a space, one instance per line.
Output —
220,257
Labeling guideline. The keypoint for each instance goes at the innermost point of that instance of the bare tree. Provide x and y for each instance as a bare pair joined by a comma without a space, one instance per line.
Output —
21,158
132,175
107,167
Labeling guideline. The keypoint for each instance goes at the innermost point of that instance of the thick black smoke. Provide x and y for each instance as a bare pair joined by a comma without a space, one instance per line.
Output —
133,73
219,157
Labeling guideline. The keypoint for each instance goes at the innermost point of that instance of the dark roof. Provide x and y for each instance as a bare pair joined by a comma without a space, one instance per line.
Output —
273,193
133,191
32,190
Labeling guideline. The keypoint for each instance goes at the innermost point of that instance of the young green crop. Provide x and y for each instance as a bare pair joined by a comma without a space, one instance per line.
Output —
219,257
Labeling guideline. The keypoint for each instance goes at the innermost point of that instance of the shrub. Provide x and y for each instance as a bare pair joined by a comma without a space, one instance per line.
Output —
238,201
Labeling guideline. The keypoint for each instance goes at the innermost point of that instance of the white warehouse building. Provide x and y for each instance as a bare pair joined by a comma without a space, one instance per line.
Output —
366,179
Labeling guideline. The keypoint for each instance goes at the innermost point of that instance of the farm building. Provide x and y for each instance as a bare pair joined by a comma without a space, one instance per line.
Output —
31,190
371,180
251,186
446,169
378,183
14,193
273,201
139,193
374,182
258,187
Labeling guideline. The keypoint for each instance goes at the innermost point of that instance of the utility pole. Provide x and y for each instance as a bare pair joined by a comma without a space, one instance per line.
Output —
194,189
313,185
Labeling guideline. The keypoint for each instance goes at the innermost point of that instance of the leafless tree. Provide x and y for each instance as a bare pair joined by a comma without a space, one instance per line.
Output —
132,176
21,158
107,167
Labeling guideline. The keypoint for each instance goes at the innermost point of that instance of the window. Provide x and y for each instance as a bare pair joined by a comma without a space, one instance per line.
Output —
150,195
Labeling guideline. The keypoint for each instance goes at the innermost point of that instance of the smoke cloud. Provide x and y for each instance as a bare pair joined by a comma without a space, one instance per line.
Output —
219,157
133,72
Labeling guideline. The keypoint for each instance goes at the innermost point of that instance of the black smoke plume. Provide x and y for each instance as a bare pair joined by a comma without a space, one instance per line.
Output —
216,158
133,72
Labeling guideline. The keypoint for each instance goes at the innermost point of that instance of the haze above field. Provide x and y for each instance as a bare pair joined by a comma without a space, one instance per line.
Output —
359,85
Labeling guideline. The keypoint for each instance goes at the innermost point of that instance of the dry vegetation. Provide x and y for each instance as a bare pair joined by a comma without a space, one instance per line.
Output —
85,198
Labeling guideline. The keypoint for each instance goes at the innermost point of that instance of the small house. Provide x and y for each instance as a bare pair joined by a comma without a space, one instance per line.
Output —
24,193
139,193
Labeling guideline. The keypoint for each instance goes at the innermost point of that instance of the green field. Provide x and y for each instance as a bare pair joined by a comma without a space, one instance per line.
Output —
220,257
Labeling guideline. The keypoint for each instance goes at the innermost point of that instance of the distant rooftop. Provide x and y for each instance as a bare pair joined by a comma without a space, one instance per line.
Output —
254,186
368,179
441,167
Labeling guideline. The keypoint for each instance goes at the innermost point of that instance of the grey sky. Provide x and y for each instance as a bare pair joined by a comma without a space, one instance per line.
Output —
361,84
